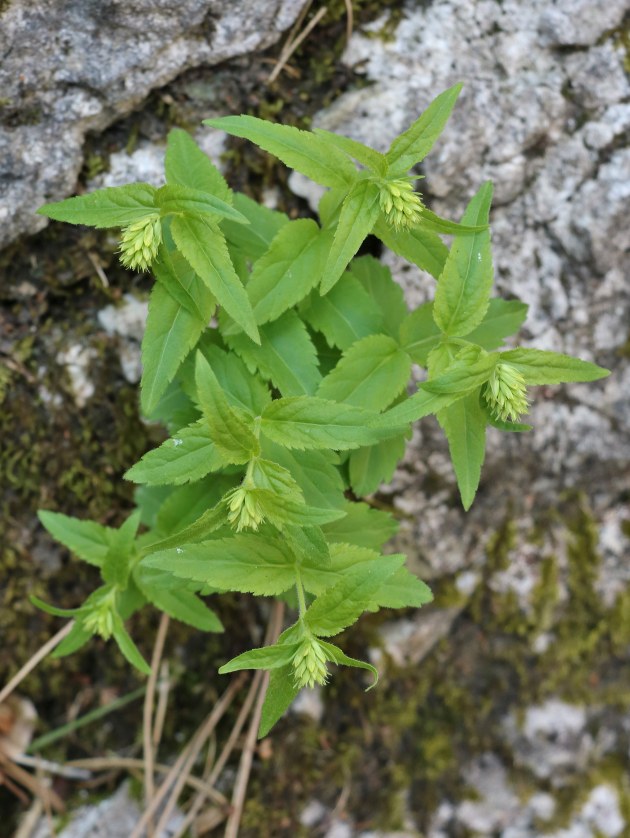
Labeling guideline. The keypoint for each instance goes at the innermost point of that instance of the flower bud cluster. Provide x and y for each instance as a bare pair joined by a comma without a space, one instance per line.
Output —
506,393
140,243
309,664
243,509
100,620
401,205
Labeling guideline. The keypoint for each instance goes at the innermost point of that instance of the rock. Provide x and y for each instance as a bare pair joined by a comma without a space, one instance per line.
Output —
127,322
77,66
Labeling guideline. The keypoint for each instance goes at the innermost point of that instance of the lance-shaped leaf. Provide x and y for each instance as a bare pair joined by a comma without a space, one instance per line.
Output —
230,429
265,657
464,424
384,293
186,165
541,367
340,606
430,221
370,374
314,471
86,539
286,356
280,693
363,154
242,389
116,206
402,590
128,648
335,655
117,561
174,199
178,603
184,458
203,246
185,504
358,215
305,422
209,522
419,333
363,526
308,153
422,247
252,240
246,563
171,330
291,267
464,286
346,314
417,141
372,465
503,318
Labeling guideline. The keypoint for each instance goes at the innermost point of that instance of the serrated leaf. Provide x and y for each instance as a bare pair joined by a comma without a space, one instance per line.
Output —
117,561
174,199
402,590
383,291
363,154
464,424
281,691
335,655
372,465
204,248
503,318
229,430
342,559
304,422
362,526
314,472
116,206
541,367
246,563
252,240
209,522
419,334
430,221
312,155
187,165
291,267
171,332
286,355
265,657
464,286
346,314
186,457
358,215
422,247
242,389
86,539
340,606
417,141
181,282
370,374
186,504
308,543
128,648
179,604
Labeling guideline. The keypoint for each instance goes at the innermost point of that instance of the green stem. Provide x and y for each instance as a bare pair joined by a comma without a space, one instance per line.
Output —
300,592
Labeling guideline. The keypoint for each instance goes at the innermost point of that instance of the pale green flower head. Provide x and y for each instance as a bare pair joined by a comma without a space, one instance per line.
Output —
101,619
243,509
140,243
401,205
506,393
309,664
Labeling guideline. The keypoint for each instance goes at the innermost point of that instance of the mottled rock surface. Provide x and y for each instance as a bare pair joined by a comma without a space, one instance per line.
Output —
74,66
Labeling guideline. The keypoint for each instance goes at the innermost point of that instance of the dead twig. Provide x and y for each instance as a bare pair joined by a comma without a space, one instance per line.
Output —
147,716
349,20
293,44
245,765
34,660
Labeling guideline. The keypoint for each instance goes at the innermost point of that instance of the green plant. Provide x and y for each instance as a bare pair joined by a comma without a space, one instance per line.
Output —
279,362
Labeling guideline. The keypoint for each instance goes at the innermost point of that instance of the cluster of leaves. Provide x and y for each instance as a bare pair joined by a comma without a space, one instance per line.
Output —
279,363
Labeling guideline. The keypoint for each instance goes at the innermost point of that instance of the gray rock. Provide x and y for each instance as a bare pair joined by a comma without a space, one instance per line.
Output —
77,65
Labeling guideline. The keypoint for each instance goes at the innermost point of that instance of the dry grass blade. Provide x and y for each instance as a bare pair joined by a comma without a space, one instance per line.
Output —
185,761
163,688
48,797
290,47
33,661
349,20
147,718
245,766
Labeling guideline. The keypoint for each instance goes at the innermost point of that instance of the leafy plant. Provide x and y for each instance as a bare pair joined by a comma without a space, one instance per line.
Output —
279,362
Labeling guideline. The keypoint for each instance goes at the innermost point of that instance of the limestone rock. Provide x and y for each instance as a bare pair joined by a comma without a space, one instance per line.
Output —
75,66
